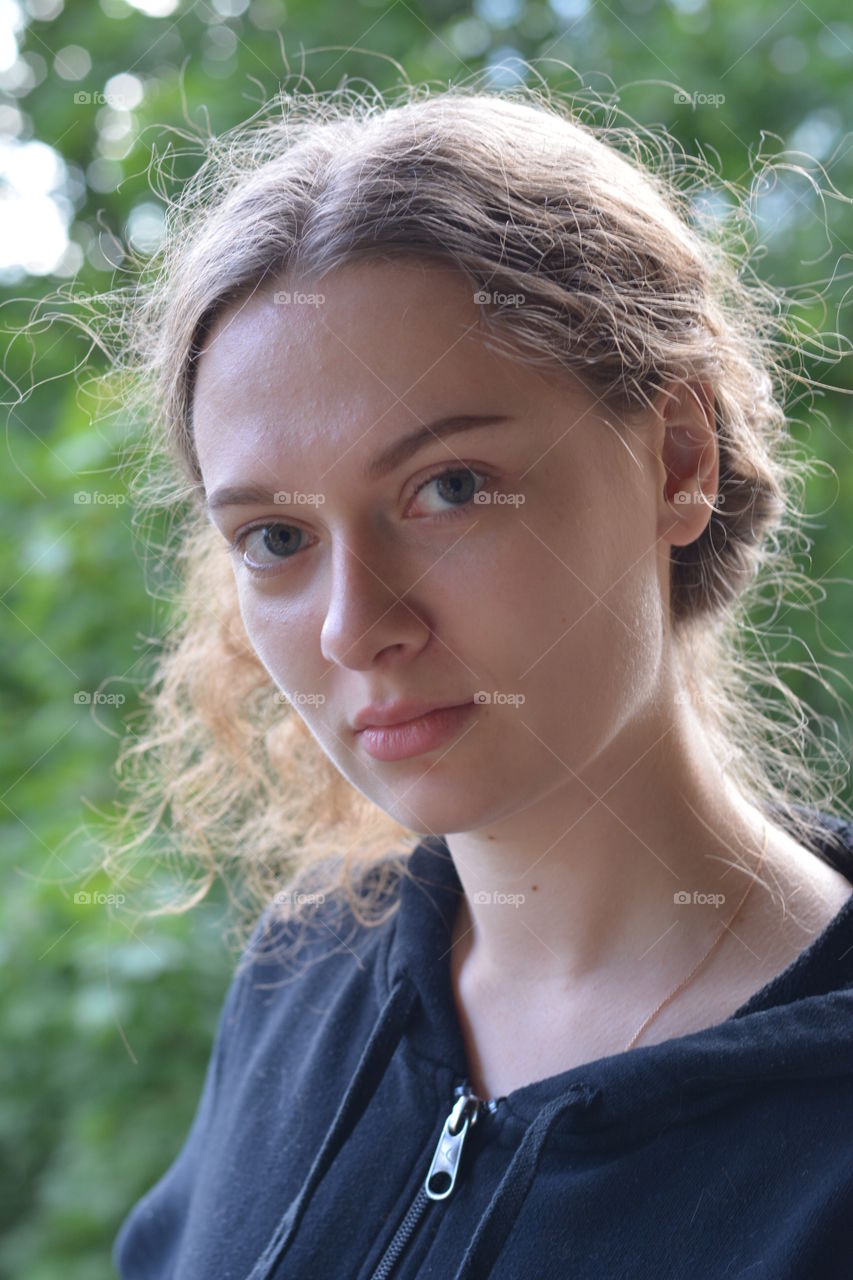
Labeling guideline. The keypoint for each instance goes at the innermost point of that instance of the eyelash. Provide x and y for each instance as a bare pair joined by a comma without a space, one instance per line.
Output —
451,514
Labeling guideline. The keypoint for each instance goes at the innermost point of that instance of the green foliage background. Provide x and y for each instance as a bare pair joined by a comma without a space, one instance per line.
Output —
106,1029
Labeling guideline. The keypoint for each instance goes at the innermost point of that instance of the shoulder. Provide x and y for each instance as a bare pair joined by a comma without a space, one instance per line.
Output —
317,920
800,895
809,887
306,985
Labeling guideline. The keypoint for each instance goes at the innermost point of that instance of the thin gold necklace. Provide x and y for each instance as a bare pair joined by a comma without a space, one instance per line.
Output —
697,967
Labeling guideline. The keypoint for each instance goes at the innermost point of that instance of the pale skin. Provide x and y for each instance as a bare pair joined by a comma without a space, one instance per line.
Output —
598,797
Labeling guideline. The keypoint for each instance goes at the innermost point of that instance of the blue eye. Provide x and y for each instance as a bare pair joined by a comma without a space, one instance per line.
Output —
284,546
463,478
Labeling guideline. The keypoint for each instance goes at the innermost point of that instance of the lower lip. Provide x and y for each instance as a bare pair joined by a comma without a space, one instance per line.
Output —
399,741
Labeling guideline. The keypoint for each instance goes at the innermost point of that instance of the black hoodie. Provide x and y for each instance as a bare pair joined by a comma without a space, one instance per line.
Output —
335,1083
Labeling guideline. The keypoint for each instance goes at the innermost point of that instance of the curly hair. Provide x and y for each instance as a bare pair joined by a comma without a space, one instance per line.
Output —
626,284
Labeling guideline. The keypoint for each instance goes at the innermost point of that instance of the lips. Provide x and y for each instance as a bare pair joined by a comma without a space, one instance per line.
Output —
393,713
426,732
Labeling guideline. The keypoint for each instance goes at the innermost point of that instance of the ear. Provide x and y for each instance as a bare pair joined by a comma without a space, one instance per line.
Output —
690,461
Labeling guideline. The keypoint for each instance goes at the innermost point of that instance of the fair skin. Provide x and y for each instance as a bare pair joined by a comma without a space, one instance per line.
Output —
596,798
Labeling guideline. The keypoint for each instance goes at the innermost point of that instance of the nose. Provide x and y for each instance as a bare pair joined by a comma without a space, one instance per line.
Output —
370,608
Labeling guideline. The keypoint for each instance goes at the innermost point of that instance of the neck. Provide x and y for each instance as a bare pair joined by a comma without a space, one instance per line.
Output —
583,880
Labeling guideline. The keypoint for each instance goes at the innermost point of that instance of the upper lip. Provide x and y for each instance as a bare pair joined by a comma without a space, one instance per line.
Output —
387,713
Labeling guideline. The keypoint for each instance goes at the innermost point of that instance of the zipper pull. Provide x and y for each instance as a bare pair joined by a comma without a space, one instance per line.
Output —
441,1178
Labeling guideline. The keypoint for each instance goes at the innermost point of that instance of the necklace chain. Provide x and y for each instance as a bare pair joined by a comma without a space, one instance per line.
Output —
691,975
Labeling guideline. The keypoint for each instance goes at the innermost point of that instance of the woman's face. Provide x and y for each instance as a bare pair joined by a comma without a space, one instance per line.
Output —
365,589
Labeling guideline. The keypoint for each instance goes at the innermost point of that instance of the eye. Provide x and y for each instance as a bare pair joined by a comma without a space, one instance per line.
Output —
456,482
283,543
281,540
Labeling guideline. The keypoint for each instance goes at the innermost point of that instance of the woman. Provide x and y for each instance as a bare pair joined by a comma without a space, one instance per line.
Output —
483,447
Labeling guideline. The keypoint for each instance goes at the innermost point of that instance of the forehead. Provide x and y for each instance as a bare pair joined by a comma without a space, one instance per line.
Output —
382,324
344,362
367,340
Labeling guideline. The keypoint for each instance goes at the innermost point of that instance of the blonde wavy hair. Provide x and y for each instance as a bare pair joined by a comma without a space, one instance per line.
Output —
627,283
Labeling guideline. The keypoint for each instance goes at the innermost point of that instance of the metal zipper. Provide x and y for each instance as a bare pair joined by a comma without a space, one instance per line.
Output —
442,1173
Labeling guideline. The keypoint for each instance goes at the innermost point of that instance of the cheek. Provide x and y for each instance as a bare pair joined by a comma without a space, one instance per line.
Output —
532,579
283,635
569,614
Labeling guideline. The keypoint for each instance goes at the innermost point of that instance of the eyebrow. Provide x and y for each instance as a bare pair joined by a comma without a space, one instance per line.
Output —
381,464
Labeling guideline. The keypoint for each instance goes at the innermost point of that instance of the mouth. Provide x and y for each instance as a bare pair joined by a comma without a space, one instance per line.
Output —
413,737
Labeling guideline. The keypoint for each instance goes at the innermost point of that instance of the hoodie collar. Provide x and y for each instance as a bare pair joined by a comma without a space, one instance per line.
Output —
793,1026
